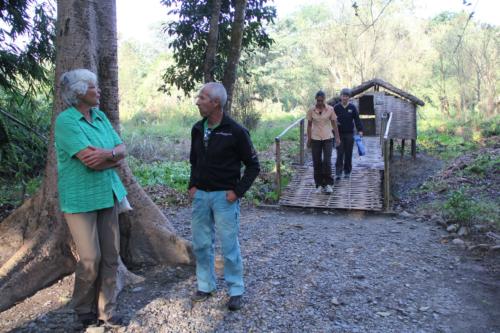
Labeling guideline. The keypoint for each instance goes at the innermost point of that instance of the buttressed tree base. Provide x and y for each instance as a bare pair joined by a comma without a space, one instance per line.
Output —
36,248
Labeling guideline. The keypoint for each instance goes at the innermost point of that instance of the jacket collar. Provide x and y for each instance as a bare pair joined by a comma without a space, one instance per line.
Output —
224,121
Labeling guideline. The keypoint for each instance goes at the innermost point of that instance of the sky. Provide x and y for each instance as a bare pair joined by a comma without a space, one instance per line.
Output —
136,20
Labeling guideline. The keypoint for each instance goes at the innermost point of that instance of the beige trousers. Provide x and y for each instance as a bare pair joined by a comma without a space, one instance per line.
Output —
97,239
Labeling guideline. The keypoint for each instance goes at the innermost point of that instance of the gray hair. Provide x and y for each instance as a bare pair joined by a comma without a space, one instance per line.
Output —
216,90
74,83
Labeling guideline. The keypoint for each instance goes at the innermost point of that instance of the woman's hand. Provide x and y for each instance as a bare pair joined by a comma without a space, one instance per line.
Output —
94,157
100,159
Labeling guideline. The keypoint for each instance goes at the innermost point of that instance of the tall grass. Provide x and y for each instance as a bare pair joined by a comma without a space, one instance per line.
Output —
149,134
449,138
159,145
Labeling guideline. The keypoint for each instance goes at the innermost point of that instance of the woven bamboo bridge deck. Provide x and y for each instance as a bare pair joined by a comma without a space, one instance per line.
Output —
363,190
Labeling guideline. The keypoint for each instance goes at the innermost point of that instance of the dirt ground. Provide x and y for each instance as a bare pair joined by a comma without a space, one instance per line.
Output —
307,271
310,271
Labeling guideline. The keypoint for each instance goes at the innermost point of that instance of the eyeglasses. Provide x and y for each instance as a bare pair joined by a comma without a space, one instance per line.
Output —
206,136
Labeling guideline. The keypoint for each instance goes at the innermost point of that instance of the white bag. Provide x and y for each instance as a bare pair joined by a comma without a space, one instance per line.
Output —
124,206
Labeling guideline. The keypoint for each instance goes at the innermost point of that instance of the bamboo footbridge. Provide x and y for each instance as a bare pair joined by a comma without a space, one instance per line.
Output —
367,188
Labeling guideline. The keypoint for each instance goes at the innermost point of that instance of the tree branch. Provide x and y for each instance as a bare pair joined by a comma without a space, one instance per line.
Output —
17,121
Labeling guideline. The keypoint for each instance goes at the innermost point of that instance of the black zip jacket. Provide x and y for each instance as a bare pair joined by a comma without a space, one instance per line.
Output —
345,118
218,167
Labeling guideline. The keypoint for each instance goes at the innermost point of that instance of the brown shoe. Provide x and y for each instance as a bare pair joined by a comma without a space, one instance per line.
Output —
235,303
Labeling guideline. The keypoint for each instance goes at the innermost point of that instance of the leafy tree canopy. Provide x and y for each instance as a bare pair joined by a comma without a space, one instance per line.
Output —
190,32
26,43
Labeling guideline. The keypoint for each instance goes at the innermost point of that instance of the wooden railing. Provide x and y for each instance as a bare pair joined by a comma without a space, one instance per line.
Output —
385,142
277,141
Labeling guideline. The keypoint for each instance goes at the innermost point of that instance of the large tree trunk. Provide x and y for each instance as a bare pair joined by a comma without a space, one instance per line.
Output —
36,248
230,72
213,37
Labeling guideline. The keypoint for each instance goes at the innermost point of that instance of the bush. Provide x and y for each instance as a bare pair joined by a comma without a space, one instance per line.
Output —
460,208
483,164
491,127
172,174
464,209
23,150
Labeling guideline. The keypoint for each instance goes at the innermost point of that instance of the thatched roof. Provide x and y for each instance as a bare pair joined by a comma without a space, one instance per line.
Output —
381,83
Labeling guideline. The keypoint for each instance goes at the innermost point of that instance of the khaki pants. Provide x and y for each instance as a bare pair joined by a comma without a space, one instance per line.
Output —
97,239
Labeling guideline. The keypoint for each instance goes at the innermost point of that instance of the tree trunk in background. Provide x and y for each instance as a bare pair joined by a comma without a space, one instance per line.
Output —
234,54
213,37
36,248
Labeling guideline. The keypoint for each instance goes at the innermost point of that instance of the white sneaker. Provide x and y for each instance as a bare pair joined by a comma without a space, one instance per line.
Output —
328,189
317,190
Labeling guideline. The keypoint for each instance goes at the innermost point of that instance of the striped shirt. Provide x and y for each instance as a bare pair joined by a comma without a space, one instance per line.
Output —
82,189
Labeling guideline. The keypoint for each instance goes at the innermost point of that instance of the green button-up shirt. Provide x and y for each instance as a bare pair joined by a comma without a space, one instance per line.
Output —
82,189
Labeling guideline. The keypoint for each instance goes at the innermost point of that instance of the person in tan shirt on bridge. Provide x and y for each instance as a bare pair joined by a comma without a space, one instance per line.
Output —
321,124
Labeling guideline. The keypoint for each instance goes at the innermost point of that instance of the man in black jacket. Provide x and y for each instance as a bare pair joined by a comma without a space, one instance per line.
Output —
219,147
347,116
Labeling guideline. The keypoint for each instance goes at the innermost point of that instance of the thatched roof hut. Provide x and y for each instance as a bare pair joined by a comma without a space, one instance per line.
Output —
372,104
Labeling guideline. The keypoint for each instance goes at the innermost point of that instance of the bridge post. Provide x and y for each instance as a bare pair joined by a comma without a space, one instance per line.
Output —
387,175
302,153
278,167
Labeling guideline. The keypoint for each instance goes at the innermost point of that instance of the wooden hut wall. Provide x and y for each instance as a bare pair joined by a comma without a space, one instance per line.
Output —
380,107
404,119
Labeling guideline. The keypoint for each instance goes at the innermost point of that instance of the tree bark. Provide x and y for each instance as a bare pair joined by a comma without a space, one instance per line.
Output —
213,37
36,248
237,28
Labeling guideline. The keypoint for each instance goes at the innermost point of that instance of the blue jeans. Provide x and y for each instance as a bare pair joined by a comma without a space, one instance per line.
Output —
213,214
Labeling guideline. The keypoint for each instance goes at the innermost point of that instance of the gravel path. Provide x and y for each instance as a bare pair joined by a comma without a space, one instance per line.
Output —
308,271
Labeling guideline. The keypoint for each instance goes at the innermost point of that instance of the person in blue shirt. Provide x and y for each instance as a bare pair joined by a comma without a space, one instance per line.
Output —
347,118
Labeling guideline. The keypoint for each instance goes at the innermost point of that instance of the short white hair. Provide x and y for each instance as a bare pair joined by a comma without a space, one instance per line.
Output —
216,90
74,83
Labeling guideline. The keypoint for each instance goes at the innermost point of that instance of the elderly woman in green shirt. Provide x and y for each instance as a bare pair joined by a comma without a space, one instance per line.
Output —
88,149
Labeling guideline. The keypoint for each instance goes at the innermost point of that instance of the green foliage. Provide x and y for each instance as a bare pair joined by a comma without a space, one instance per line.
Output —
450,138
484,164
158,157
13,192
26,45
33,185
139,79
174,123
464,209
491,127
263,189
27,53
460,208
24,156
190,32
172,174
